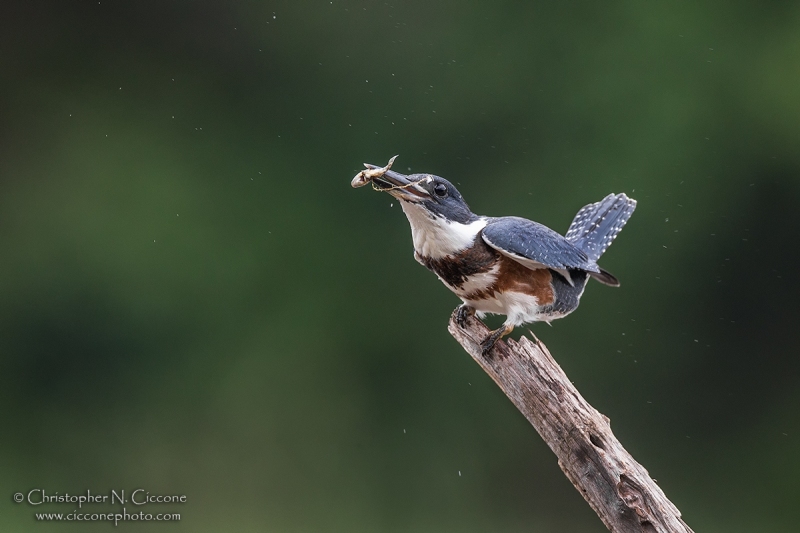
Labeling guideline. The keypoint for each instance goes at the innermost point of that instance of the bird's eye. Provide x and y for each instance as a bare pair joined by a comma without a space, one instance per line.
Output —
440,190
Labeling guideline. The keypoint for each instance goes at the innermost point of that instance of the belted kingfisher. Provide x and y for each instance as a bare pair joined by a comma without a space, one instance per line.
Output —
502,265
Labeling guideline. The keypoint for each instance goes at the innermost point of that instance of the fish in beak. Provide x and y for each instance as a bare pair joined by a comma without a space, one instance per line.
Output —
398,185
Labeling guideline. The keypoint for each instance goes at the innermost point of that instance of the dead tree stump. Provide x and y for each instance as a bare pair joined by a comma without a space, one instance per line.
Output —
618,488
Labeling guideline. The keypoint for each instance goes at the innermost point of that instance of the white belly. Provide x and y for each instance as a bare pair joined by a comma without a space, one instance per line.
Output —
519,308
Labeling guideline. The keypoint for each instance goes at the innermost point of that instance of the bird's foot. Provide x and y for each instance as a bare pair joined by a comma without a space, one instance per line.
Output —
463,312
487,345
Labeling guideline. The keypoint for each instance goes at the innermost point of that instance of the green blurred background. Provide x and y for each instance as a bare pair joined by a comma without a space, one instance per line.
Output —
194,301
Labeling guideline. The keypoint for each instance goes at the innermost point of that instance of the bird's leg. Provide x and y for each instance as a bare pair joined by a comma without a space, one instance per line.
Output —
488,343
463,312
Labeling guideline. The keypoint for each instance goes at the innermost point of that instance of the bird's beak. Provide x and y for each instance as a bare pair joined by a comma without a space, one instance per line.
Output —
398,185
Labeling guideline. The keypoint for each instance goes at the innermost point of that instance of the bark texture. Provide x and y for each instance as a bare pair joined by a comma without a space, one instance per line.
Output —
618,488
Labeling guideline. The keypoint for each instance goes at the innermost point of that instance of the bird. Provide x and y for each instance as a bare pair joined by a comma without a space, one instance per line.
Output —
506,265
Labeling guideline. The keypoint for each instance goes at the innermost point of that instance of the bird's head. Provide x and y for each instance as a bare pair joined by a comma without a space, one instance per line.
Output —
435,195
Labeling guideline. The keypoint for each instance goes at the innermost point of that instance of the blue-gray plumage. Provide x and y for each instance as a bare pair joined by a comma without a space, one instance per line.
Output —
591,232
525,239
597,225
504,265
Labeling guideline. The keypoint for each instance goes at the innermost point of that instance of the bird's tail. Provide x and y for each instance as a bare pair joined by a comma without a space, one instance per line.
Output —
597,225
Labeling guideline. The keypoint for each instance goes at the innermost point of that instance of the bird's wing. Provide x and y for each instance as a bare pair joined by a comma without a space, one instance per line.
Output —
534,245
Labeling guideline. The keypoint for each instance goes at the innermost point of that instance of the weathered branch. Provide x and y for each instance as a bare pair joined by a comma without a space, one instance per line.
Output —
618,488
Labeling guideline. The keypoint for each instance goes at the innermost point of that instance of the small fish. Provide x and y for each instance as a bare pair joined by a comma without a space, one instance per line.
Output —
366,176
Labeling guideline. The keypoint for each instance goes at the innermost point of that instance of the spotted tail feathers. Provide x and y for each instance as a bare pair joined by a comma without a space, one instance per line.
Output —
596,226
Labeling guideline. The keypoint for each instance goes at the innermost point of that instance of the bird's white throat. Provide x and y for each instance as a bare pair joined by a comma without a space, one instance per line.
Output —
437,237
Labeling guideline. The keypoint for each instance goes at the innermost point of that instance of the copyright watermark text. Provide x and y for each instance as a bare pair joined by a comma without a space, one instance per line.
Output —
116,497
